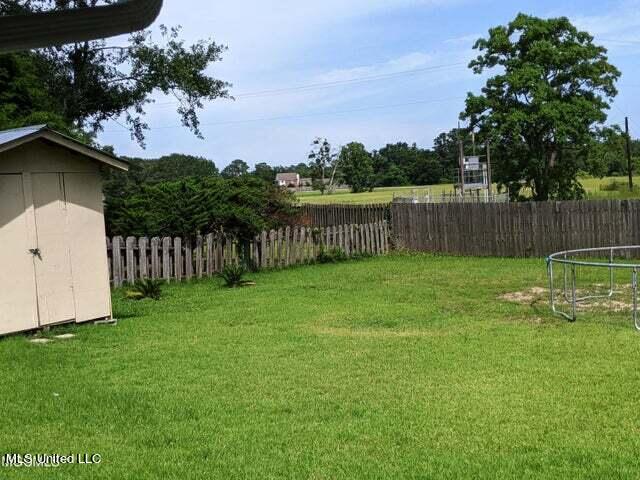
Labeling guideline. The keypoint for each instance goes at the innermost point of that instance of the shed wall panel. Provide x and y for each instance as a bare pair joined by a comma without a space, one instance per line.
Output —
18,307
53,265
43,157
86,233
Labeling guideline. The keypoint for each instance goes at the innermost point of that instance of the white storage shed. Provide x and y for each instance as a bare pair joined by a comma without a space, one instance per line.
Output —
53,257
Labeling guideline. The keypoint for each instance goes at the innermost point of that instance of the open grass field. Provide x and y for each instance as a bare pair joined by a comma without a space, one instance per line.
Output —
593,186
393,367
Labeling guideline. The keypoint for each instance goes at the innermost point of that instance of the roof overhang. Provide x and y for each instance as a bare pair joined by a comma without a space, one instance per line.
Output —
59,27
30,134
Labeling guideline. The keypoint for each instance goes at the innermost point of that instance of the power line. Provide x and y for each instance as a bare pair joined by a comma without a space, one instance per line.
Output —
316,114
623,42
351,81
337,83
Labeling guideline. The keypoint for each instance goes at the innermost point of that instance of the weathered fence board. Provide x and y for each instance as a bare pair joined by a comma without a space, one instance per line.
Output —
172,259
336,214
515,229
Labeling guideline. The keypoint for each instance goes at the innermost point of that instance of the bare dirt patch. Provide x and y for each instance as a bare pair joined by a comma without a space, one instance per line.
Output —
620,302
526,297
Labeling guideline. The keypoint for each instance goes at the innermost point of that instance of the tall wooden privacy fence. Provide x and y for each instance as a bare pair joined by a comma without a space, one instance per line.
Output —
515,229
178,259
334,214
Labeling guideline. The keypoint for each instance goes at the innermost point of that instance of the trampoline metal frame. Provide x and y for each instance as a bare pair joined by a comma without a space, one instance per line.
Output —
569,278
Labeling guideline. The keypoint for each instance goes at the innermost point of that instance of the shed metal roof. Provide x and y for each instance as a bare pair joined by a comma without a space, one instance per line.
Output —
11,135
10,139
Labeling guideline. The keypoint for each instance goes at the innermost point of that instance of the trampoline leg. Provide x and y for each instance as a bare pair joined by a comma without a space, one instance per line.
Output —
551,292
573,297
634,287
611,278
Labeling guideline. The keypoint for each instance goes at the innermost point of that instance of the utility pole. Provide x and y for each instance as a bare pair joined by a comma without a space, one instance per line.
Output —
461,147
489,181
629,164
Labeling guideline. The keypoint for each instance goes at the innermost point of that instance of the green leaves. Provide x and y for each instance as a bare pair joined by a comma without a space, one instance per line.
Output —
79,87
357,167
241,207
541,109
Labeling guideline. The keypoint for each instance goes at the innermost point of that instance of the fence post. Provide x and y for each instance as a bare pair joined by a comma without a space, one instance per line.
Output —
287,235
131,260
166,259
199,267
279,246
294,246
116,252
301,251
143,244
177,258
210,253
264,250
155,258
188,259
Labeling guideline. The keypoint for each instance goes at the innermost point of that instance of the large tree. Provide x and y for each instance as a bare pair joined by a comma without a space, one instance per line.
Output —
357,167
323,161
86,84
542,108
265,171
237,168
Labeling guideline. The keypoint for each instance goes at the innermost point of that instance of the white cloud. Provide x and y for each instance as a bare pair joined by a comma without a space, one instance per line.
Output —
618,28
272,46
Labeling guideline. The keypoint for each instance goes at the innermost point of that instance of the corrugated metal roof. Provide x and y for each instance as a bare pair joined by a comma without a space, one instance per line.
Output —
7,136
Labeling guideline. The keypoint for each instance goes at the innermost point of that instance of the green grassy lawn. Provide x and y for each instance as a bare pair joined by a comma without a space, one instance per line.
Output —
385,195
379,195
396,367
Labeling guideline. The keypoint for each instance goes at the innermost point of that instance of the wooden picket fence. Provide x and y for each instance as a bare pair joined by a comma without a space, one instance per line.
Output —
178,259
338,214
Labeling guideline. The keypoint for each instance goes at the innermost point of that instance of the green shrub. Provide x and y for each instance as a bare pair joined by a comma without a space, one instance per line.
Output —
332,255
233,276
146,288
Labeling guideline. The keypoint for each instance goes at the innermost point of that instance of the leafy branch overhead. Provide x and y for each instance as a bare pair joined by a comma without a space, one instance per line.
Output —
92,82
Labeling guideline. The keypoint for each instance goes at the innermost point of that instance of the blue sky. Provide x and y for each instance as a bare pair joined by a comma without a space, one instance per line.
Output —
382,71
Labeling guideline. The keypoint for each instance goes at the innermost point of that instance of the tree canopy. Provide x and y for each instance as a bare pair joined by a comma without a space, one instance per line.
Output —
237,168
81,86
357,167
542,108
403,164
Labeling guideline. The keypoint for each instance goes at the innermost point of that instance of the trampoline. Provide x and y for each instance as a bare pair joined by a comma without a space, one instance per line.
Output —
613,263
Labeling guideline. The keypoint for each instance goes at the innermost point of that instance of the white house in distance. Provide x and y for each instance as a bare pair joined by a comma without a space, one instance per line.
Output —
52,235
288,180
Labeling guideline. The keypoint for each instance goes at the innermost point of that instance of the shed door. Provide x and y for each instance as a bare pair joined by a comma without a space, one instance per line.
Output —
53,265
89,260
18,308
